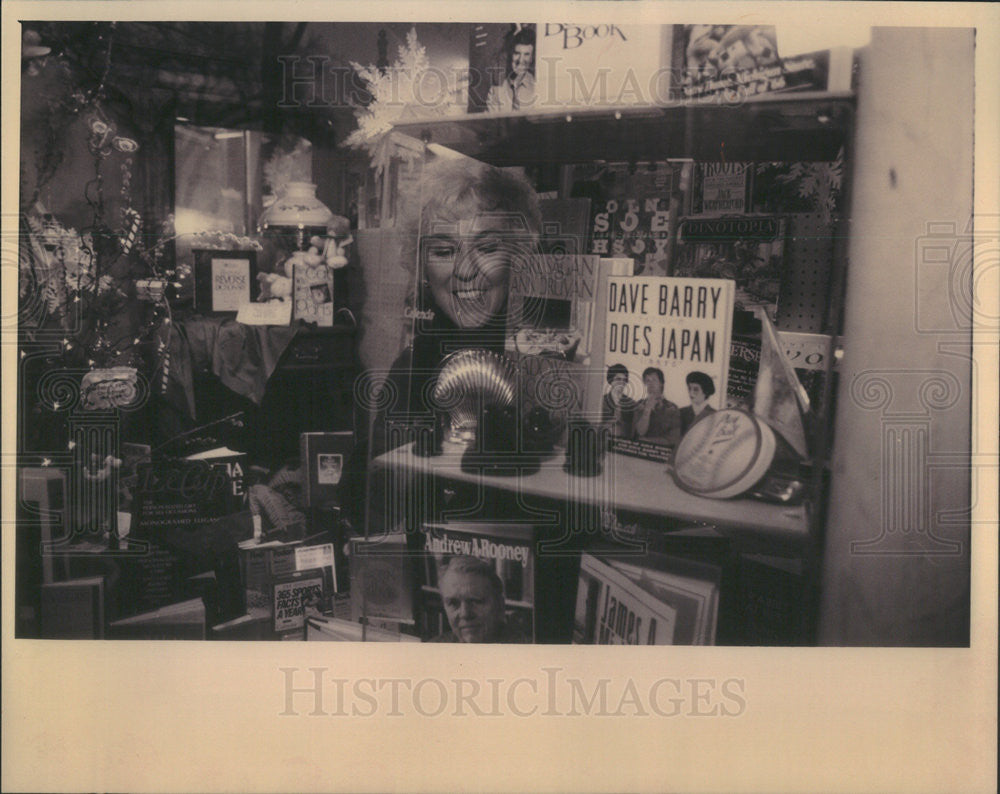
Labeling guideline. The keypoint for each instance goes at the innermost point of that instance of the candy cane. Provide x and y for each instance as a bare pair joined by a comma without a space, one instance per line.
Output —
134,221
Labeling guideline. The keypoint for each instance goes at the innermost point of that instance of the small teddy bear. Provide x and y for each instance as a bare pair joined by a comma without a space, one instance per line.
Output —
331,250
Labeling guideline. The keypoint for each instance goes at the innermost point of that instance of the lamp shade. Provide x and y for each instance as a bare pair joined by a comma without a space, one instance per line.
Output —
297,213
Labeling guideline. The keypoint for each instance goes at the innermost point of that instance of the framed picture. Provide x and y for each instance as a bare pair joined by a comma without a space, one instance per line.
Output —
224,280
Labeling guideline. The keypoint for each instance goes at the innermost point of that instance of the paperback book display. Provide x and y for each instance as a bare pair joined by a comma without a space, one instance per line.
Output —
264,567
660,334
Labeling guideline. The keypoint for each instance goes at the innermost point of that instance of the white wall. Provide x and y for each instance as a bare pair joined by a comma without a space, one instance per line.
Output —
896,571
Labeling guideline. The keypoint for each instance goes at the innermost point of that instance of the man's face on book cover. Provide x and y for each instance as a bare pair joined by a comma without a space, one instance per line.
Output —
467,266
520,60
474,611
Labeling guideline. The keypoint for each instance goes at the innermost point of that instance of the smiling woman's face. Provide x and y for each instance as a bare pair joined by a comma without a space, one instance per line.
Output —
468,269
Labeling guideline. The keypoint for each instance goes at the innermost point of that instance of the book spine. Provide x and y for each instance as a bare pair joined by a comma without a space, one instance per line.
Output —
307,472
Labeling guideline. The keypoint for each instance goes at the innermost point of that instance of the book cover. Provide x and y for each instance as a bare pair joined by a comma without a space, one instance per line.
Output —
509,548
592,66
613,609
260,564
721,189
490,49
322,457
666,345
735,62
186,518
175,493
749,249
548,333
744,364
382,582
295,595
322,558
633,218
312,293
224,280
690,586
184,620
73,609
234,465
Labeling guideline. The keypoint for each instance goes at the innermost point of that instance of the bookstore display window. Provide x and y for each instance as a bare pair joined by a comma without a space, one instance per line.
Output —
683,284
672,208
620,223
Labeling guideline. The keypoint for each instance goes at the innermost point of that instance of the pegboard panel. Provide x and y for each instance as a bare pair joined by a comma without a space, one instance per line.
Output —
802,303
